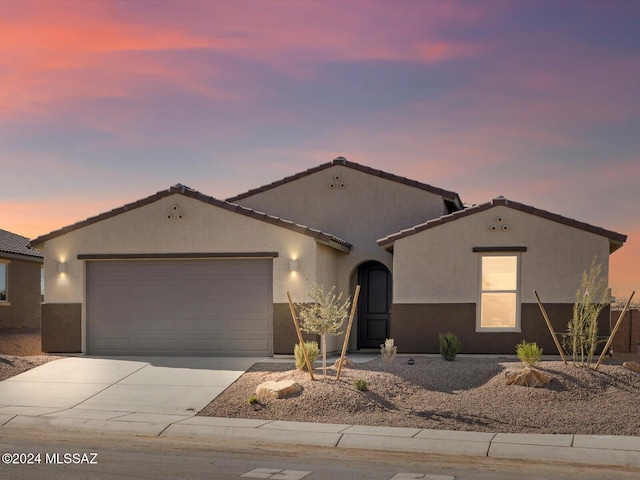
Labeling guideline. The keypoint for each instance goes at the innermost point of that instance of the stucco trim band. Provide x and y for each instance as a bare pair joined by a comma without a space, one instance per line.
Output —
161,256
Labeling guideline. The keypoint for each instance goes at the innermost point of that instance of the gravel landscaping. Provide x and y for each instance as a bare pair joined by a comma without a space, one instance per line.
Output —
20,351
467,394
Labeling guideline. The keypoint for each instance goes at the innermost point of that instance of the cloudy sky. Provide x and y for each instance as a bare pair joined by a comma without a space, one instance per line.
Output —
103,103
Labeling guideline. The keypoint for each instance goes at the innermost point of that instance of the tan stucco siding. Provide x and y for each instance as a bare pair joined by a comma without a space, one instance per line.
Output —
327,267
366,209
204,229
439,266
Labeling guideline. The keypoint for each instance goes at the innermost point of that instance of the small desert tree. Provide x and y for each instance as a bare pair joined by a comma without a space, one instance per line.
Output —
324,316
591,298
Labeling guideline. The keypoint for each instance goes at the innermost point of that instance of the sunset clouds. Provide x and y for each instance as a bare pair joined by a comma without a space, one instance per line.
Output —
105,102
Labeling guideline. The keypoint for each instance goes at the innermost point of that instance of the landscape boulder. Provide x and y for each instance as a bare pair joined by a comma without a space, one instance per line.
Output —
526,377
281,389
635,366
346,363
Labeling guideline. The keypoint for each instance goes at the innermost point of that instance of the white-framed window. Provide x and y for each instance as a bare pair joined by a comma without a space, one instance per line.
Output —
4,282
499,293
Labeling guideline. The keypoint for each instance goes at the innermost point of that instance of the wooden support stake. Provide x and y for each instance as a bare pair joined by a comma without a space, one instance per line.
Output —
553,334
354,305
615,330
300,339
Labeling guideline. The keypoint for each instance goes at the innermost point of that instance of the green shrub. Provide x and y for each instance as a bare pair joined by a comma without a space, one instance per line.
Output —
360,384
449,346
529,353
253,400
312,352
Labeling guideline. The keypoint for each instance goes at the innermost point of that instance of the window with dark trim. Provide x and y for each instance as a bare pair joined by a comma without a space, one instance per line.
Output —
499,295
4,281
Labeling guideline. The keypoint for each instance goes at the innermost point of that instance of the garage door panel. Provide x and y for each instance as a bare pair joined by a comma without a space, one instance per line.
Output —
203,307
205,346
203,325
244,346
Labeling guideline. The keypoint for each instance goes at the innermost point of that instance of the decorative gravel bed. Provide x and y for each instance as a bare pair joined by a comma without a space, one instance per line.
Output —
467,394
20,351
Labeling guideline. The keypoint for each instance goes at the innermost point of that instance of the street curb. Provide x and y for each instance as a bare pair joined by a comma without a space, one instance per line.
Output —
606,450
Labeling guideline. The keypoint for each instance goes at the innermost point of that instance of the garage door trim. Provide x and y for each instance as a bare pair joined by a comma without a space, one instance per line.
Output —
265,340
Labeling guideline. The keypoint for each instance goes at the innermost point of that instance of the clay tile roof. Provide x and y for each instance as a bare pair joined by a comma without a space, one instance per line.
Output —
321,237
14,244
615,239
445,194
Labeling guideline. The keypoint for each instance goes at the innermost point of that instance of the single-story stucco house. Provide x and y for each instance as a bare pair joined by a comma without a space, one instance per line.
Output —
182,273
20,282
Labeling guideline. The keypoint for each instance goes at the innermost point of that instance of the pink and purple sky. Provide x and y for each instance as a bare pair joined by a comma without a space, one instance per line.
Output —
105,102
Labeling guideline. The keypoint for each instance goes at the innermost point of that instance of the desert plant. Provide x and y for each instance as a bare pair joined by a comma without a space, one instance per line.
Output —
529,353
582,330
253,400
388,352
325,315
449,346
312,354
360,384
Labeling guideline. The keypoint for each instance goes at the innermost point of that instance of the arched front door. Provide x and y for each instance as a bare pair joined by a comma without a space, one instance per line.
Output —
374,304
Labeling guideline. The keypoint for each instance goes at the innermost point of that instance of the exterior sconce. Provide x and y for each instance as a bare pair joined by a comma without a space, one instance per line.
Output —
62,267
294,265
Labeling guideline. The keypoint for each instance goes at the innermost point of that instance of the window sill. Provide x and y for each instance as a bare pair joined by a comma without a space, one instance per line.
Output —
4,303
499,330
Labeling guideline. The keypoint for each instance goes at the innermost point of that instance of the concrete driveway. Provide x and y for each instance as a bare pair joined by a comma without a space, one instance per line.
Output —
127,388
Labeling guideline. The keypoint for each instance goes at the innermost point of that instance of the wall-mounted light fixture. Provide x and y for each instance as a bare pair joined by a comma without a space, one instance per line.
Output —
62,267
294,265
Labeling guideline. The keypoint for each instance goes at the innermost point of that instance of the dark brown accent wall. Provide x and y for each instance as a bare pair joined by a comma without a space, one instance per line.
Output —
627,338
284,332
61,327
23,291
415,327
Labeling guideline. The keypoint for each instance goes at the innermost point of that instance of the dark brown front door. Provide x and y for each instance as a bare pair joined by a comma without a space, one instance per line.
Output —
374,304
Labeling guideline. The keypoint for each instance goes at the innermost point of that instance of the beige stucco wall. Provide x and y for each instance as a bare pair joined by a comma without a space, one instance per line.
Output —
205,228
366,209
439,266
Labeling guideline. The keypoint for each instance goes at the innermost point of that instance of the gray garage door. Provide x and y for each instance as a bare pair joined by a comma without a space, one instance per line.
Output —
180,307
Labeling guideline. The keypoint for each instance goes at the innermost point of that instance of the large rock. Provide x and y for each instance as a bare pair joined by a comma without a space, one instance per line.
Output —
280,389
346,363
526,377
635,366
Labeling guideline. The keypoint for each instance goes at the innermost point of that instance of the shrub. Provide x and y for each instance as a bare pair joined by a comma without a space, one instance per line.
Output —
312,353
449,346
360,384
253,399
529,353
388,351
582,331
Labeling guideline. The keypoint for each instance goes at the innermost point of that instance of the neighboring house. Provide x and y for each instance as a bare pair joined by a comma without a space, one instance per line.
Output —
182,273
20,282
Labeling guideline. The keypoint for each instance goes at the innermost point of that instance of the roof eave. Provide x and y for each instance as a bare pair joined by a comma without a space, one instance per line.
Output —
18,256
